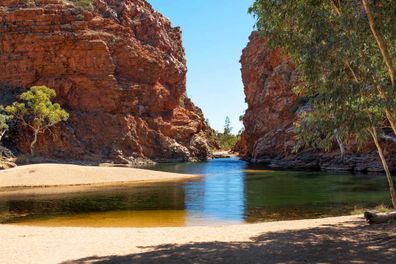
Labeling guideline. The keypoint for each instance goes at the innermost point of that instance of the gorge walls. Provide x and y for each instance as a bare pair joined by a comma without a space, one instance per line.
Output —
118,68
269,78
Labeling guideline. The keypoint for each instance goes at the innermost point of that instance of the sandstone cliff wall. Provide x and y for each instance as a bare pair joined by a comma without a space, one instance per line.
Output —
120,71
269,78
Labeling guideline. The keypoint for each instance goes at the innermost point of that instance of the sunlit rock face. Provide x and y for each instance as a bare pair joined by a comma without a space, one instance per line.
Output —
119,70
269,78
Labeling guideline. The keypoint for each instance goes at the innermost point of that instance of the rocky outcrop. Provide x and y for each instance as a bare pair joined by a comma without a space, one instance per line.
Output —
269,78
118,68
7,158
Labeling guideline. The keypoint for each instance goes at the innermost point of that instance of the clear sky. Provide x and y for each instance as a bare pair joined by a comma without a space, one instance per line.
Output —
214,34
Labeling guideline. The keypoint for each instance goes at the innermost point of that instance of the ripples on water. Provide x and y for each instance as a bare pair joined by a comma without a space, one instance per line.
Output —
230,192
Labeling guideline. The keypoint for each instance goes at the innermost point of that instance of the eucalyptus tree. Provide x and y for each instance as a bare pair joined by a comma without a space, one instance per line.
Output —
323,37
36,111
344,51
357,118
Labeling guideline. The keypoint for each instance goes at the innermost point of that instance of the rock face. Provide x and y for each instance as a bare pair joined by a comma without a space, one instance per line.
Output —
118,68
7,158
269,78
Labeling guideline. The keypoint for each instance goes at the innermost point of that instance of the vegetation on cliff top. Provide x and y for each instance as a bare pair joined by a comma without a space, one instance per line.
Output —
83,4
345,52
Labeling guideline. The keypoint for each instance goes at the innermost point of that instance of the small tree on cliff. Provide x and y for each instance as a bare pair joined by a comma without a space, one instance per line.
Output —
37,111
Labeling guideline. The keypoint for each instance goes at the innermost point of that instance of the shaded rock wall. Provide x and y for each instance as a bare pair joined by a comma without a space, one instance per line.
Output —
120,71
269,78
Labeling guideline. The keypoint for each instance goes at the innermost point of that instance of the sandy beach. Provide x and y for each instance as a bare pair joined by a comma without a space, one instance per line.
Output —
347,239
329,240
57,178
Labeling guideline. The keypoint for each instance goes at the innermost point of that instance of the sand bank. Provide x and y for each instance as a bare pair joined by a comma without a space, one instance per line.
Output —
329,240
61,175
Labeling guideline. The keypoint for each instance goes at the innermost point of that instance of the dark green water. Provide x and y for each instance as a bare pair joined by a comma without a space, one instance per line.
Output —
230,192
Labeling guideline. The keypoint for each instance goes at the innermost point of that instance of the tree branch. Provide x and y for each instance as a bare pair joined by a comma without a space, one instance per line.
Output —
381,43
388,137
336,8
352,71
2,133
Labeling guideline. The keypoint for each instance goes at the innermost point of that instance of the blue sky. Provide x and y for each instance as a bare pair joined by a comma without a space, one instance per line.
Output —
214,34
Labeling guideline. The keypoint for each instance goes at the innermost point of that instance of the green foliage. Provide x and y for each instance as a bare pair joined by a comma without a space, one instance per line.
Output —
227,140
339,62
242,117
182,103
344,50
28,3
83,4
37,111
301,101
37,108
227,126
3,124
4,118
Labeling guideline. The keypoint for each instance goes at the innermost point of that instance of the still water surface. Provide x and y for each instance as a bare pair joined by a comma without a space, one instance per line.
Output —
231,192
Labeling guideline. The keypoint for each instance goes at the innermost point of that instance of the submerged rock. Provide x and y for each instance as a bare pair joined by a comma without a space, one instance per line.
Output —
118,68
269,78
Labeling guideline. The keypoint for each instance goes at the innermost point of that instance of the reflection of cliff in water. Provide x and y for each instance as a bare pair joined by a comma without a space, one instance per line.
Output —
230,191
142,198
296,195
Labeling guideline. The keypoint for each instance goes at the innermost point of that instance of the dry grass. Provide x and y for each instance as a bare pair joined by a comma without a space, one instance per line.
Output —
381,208
83,4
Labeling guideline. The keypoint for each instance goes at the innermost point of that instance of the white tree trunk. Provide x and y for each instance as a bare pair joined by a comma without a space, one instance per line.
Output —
2,133
36,132
392,191
340,144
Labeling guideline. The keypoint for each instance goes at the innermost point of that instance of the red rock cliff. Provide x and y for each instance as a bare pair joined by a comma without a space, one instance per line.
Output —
269,78
119,70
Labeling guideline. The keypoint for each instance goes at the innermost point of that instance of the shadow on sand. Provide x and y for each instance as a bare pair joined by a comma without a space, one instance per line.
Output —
352,242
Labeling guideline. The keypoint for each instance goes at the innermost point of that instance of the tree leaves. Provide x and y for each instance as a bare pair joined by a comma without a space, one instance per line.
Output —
339,63
4,118
37,111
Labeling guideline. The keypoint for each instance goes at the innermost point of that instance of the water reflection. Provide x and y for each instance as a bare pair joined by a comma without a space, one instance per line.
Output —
221,195
230,192
154,200
285,195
